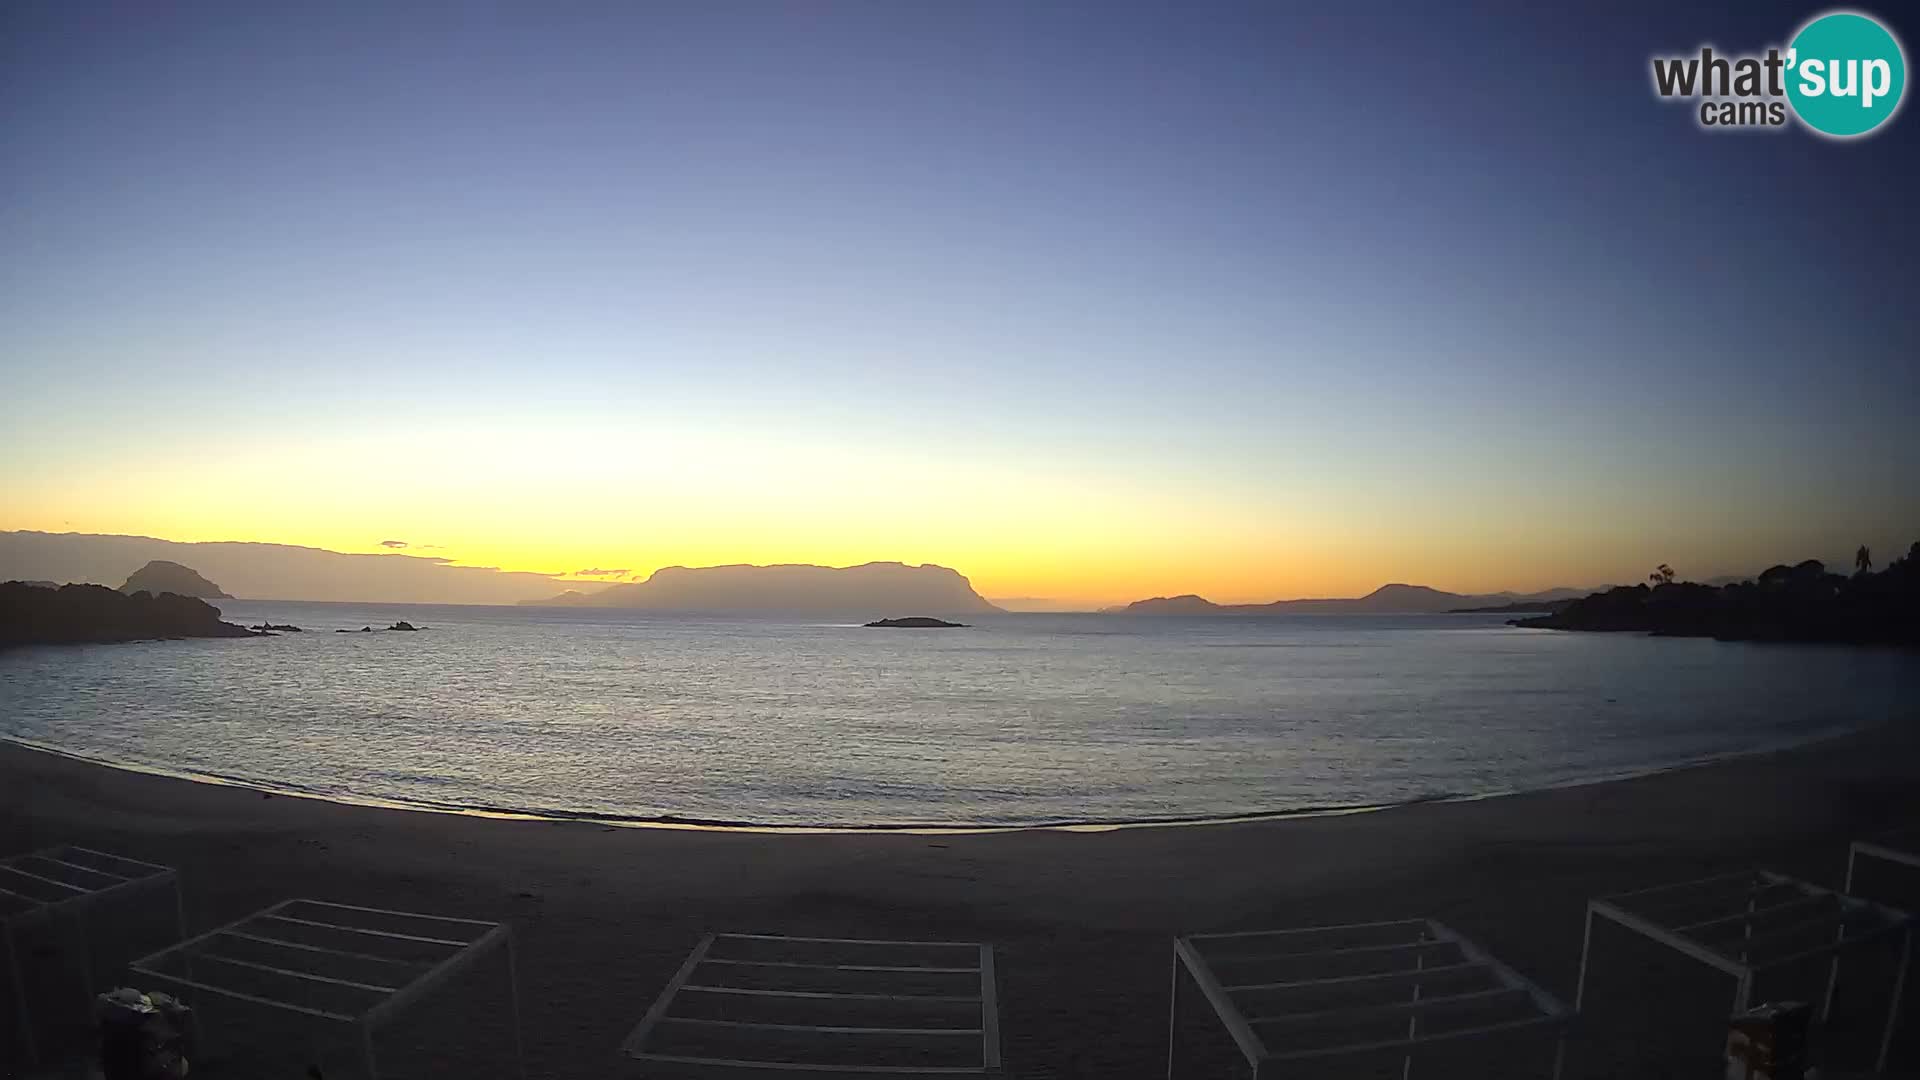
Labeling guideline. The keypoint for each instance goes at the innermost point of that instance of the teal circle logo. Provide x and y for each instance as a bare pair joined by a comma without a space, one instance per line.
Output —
1845,74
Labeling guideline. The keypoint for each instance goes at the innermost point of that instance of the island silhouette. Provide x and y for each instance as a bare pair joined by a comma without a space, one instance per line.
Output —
161,576
795,588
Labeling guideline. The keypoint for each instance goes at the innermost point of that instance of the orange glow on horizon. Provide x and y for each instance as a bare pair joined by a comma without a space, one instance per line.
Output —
1073,532
1087,568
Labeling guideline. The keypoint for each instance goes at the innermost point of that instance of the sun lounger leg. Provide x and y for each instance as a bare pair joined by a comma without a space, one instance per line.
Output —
1586,947
513,988
1833,976
1173,1011
1893,1009
1833,969
366,1046
83,926
20,998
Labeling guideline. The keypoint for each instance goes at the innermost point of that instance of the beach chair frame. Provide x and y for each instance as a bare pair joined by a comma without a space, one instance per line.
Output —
462,952
1879,851
1745,959
968,957
1550,1014
38,887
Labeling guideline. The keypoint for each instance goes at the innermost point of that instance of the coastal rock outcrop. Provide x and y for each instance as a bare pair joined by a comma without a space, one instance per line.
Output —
918,622
95,614
1788,603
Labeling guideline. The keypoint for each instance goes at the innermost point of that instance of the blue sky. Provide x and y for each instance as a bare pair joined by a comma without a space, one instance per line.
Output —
1380,294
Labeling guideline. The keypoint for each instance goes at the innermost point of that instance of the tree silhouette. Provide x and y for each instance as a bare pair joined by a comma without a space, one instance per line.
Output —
1863,560
1662,575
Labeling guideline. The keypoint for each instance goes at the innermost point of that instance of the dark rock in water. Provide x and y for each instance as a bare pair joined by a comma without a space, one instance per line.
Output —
269,627
918,622
161,576
82,614
403,626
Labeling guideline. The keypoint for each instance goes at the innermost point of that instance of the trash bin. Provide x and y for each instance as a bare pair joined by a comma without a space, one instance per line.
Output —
143,1036
1769,1042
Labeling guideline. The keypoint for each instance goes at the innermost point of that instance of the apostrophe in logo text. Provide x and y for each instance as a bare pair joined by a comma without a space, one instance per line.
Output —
1842,75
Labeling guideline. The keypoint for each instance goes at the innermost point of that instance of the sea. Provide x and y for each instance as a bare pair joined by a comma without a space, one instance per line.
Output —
1015,720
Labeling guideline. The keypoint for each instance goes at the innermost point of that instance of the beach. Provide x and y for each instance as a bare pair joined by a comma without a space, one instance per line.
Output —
1082,920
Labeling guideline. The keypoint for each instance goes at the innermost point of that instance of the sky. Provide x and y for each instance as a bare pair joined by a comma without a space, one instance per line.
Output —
1090,302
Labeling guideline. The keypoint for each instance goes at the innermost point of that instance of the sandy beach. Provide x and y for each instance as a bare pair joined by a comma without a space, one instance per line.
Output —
1082,921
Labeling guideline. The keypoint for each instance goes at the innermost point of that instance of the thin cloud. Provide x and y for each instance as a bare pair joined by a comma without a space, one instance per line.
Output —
393,543
597,572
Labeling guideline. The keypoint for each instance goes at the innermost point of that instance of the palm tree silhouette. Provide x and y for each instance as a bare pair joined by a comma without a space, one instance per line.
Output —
1863,560
1663,575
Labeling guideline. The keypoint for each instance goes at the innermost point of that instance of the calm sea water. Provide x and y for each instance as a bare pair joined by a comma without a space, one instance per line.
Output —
1021,719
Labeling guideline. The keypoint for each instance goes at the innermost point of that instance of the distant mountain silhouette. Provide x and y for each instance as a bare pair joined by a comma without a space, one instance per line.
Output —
82,614
795,588
269,571
1395,599
1517,607
570,598
1035,604
1550,595
161,576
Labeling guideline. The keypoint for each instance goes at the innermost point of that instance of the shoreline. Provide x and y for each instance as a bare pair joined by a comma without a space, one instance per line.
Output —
1087,825
1080,920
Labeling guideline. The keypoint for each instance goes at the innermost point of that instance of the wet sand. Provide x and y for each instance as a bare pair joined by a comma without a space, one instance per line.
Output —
1082,920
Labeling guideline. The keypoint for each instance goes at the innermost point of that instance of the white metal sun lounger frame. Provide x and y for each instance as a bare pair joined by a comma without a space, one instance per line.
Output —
1550,1013
988,1030
1740,963
78,902
363,1022
1873,850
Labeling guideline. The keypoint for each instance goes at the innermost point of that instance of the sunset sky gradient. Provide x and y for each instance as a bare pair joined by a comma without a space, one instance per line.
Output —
1090,302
